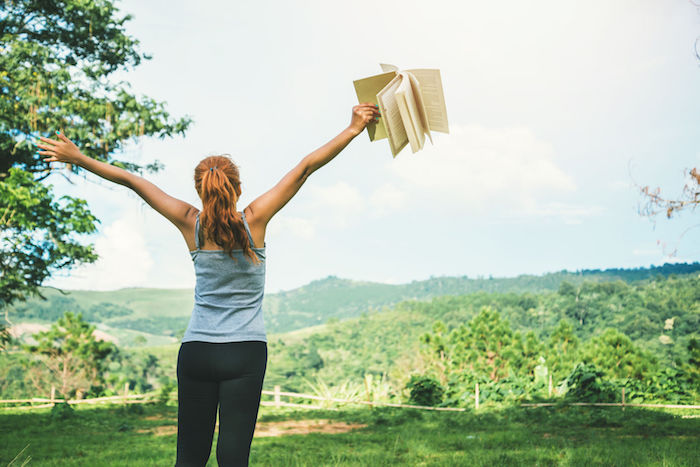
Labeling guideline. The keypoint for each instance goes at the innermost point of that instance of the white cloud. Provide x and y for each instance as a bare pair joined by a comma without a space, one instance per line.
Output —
124,260
337,203
568,213
297,226
481,169
387,197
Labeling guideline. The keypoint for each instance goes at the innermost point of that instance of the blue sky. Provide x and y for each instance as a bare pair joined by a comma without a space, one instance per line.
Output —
556,109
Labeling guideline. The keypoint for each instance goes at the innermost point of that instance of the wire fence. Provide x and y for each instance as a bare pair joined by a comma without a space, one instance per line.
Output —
325,403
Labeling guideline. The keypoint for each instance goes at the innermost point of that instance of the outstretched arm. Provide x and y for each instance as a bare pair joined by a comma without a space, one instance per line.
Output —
64,150
261,210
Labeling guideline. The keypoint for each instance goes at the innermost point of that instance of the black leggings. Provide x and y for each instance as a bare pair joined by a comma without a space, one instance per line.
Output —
228,375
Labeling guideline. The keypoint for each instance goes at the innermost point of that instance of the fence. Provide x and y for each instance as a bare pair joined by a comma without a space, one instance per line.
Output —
125,398
277,401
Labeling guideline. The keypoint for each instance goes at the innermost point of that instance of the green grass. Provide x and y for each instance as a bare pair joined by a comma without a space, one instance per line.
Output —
145,436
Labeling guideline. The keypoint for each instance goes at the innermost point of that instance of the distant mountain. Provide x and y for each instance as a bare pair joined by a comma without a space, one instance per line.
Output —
333,297
162,314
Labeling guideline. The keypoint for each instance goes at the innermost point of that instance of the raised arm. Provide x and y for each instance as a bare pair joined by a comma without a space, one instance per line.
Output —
64,150
261,210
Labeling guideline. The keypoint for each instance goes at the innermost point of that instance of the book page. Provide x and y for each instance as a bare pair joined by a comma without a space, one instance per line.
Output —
367,90
418,95
433,98
410,115
386,100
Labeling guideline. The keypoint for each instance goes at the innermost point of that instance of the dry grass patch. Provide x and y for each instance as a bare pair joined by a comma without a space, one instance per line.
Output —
302,427
268,429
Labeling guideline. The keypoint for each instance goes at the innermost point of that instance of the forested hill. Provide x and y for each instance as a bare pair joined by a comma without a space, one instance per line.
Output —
162,312
333,297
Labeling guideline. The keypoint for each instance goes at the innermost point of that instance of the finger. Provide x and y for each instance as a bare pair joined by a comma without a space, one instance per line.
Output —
46,153
48,140
63,137
44,146
51,159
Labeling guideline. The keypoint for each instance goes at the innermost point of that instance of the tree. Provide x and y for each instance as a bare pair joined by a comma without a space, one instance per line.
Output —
563,350
616,355
56,61
70,357
37,236
655,203
485,349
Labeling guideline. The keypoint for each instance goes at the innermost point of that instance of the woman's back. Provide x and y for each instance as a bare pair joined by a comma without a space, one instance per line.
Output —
228,294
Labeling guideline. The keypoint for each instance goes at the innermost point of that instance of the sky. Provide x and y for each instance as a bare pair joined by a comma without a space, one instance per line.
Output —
558,111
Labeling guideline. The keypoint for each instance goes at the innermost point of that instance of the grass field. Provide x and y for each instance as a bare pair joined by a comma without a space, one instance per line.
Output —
145,436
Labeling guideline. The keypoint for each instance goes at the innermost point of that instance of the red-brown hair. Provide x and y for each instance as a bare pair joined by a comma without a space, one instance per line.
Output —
218,184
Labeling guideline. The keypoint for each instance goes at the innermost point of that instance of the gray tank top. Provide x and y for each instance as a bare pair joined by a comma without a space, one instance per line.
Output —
228,294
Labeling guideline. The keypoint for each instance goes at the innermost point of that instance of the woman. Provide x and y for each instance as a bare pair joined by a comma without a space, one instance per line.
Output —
222,359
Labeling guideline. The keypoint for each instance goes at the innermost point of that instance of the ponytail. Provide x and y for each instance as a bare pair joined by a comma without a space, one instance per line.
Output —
218,183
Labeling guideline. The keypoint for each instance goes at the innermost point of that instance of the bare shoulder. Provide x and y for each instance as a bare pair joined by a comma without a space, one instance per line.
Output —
191,218
257,225
187,227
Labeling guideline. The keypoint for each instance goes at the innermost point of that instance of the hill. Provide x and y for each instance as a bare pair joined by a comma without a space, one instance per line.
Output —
158,316
656,322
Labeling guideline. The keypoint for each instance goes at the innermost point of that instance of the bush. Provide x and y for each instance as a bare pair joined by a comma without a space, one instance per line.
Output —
165,391
586,384
425,390
62,411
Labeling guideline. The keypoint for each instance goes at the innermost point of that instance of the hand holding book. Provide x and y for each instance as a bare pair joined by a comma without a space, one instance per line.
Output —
362,115
411,102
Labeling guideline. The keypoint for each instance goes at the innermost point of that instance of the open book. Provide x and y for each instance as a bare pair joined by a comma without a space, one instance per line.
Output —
411,104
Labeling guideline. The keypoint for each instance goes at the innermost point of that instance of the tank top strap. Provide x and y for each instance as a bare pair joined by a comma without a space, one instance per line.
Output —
197,234
247,229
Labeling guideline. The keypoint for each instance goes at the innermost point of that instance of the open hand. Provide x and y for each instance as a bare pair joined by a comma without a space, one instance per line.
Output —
362,115
63,150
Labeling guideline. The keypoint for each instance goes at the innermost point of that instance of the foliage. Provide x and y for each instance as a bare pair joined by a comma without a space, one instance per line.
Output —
642,335
56,62
464,340
165,392
37,234
654,203
425,390
347,390
70,356
588,384
62,411
329,298
563,348
620,358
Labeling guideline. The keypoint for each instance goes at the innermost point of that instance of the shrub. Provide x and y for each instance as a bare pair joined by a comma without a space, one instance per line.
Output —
62,411
586,384
425,390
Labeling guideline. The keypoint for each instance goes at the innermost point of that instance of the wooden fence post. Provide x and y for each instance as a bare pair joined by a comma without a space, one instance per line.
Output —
550,385
277,397
53,395
623,398
368,389
476,398
126,391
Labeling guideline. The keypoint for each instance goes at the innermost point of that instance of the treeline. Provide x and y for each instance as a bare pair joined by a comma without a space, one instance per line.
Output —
333,297
642,335
166,312
591,337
